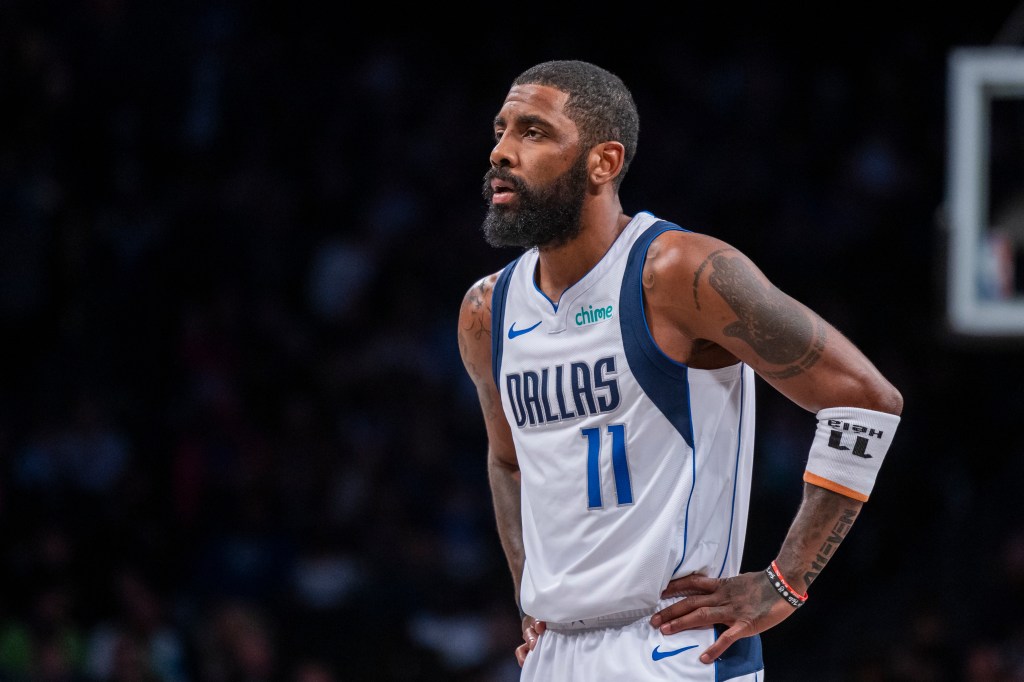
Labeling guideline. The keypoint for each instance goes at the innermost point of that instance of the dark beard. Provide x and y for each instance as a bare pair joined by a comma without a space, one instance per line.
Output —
546,216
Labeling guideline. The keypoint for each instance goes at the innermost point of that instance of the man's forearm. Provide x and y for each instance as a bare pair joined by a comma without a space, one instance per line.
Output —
820,526
508,514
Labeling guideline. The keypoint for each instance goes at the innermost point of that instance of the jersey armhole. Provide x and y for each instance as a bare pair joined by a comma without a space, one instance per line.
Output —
498,299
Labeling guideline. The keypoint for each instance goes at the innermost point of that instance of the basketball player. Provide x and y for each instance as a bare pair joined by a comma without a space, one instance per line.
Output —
615,363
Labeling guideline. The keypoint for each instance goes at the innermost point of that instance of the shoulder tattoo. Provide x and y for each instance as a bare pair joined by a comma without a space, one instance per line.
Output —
477,325
777,328
479,300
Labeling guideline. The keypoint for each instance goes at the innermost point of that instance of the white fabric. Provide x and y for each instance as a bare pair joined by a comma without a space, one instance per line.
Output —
681,510
635,652
850,444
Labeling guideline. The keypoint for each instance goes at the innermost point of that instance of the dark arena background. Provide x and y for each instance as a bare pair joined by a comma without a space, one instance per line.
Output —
236,438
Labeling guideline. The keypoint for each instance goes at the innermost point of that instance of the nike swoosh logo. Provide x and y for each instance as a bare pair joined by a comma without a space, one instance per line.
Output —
657,655
513,332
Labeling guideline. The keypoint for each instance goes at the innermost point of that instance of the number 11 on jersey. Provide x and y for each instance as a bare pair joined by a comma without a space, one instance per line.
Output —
623,487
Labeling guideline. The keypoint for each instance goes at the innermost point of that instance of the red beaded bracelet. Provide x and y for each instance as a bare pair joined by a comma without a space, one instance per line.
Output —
794,598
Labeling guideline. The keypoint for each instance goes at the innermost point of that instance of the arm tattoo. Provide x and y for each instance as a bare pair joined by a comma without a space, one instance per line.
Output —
778,330
700,271
828,548
478,301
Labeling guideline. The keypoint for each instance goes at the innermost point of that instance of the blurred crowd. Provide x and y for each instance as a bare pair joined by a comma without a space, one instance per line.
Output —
237,442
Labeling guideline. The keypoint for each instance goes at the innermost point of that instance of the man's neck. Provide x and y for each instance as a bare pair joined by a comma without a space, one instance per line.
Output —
562,266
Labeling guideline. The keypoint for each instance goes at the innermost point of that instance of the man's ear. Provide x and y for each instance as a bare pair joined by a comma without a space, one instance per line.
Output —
606,162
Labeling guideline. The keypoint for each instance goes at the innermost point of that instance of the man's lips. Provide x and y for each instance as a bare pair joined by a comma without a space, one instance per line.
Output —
502,192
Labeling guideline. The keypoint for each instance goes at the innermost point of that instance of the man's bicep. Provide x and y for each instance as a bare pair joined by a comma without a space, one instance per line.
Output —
501,448
784,341
475,329
475,348
736,306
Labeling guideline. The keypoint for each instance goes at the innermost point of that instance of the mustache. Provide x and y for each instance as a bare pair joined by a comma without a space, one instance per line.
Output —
503,174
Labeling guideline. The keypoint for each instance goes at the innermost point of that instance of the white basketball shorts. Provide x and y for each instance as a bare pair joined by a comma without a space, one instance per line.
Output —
636,652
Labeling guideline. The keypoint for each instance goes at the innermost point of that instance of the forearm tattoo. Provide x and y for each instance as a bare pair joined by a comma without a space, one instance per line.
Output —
778,330
831,543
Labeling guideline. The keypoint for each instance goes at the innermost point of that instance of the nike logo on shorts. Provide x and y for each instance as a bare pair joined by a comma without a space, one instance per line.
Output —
657,654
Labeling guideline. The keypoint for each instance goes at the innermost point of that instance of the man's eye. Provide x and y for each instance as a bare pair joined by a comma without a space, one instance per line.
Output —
531,132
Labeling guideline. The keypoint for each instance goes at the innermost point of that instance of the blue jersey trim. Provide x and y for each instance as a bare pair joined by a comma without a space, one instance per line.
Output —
662,378
742,658
498,298
553,304
736,468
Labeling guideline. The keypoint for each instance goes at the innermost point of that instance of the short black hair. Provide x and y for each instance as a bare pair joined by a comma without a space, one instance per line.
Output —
599,103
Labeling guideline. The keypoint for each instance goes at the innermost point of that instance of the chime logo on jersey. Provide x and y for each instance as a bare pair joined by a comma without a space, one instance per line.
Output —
563,392
591,314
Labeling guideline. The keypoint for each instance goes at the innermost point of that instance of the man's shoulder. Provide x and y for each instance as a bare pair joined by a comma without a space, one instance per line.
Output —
487,282
477,299
682,248
475,325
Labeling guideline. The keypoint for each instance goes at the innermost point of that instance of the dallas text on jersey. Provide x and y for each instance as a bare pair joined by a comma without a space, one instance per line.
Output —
577,390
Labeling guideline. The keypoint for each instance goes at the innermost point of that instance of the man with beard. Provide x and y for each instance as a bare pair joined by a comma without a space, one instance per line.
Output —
615,362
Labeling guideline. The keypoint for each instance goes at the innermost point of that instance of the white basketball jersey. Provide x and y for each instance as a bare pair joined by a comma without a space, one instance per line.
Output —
635,468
